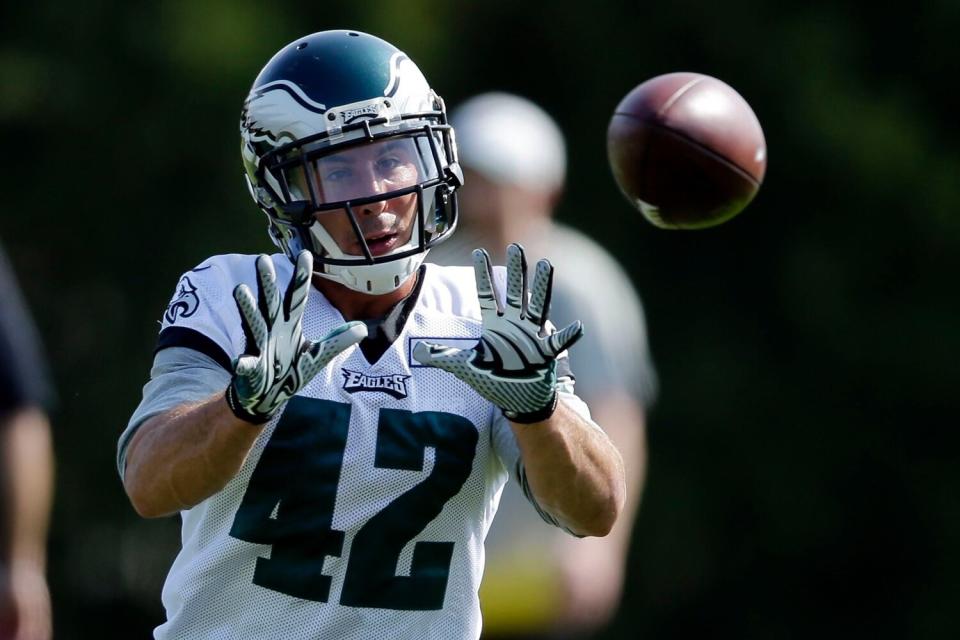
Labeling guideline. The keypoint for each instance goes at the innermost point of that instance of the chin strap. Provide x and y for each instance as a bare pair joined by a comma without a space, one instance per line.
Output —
373,279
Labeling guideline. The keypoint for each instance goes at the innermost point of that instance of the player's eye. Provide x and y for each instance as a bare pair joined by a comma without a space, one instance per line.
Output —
337,175
387,164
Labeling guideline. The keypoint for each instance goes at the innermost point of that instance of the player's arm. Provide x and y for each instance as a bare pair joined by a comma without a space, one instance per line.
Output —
573,469
182,456
27,467
179,458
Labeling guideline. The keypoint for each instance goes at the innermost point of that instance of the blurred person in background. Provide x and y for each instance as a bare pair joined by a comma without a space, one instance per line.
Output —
335,423
26,470
538,584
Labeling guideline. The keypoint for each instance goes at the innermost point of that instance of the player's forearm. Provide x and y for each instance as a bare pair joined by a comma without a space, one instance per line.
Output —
574,471
181,457
624,421
29,467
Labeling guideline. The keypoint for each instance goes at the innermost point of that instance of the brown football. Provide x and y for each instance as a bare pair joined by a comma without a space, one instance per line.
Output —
686,150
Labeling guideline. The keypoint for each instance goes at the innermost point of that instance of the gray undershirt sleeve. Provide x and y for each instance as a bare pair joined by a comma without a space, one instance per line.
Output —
179,376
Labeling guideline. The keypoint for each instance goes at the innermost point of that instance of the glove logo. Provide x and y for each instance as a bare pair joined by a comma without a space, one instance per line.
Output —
412,342
185,303
393,385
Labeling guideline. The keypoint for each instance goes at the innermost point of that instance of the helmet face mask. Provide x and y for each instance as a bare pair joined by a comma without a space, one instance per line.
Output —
368,185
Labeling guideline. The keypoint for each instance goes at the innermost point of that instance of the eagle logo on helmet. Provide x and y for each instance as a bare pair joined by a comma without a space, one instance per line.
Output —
280,112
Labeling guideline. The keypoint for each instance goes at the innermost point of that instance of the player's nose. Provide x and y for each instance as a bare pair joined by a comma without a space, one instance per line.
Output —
374,208
375,185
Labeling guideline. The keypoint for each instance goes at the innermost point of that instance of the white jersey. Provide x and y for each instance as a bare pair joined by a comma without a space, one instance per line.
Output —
362,508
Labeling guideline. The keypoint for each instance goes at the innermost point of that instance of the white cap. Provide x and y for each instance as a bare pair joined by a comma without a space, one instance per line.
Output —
508,139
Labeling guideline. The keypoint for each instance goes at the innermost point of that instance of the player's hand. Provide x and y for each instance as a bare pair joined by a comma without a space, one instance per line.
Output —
279,361
24,603
514,363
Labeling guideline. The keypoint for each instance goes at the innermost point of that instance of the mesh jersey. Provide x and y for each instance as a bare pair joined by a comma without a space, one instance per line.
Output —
362,508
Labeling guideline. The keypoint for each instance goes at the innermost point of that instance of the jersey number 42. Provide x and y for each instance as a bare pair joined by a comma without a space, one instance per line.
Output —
292,492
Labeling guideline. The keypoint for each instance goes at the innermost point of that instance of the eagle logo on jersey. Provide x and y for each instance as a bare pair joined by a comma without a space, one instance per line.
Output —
393,385
184,303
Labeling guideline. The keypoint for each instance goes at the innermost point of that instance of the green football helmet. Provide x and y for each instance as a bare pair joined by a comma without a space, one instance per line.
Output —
341,131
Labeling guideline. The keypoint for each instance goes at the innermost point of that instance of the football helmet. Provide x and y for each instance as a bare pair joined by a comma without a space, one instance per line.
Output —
348,151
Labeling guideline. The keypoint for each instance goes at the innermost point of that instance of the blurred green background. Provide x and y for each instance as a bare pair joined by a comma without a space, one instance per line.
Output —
804,450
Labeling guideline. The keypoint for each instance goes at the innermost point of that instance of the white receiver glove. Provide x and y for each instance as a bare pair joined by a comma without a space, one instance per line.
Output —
514,363
279,361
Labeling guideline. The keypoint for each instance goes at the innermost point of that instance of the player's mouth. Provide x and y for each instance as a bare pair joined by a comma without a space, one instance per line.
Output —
382,243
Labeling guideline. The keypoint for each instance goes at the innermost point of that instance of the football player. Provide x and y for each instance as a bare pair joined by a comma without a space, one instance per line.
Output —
335,423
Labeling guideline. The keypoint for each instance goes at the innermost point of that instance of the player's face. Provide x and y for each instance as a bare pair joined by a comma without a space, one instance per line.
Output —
361,172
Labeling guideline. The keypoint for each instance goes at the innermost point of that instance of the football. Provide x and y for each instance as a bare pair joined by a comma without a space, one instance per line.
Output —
687,150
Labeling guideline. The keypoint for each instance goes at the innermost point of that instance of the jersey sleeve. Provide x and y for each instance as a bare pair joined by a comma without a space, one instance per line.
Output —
203,316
